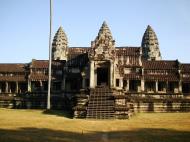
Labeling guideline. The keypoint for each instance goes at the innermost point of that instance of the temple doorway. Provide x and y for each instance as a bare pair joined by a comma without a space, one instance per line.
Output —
102,76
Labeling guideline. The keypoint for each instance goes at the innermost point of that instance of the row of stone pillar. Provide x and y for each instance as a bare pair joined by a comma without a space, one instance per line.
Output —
30,86
143,85
8,86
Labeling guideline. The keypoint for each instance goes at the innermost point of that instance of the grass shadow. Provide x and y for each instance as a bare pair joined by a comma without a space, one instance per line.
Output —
49,135
67,114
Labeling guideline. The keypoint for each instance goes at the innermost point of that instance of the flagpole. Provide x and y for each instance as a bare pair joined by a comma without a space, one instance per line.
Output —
50,59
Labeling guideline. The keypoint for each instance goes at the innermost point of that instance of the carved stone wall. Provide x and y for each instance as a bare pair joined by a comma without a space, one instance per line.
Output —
103,47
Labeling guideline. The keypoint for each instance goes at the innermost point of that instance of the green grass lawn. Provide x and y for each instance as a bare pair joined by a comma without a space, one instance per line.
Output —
37,126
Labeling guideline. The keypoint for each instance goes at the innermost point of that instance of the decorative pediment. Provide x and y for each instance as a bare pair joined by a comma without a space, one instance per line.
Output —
103,47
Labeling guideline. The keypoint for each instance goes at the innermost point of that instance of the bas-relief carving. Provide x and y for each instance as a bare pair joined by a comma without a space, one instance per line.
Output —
99,50
103,47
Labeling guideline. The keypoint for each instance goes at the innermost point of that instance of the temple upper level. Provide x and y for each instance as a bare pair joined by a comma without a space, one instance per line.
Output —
103,47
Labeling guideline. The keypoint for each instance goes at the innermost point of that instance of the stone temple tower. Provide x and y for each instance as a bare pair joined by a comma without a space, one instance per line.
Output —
60,45
102,57
103,46
150,45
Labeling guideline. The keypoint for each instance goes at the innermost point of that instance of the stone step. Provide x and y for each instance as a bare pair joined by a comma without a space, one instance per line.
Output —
97,103
101,104
100,115
107,107
100,110
110,117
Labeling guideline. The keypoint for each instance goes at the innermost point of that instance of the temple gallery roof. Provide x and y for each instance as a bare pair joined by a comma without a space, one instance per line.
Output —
42,64
161,77
163,65
43,77
185,68
35,77
39,64
127,51
12,67
77,57
120,51
13,78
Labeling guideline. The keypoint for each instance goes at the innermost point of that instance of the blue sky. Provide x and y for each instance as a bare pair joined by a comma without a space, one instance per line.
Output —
24,25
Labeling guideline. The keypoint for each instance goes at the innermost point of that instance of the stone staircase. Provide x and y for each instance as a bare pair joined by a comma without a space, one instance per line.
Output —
101,104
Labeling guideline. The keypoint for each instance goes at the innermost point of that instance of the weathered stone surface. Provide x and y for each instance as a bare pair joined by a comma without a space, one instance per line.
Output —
60,45
103,47
150,45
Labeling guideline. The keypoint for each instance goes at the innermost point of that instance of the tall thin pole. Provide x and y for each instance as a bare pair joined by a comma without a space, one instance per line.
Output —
50,51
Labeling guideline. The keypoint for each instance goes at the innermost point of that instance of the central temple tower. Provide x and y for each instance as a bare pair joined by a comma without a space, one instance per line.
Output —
101,56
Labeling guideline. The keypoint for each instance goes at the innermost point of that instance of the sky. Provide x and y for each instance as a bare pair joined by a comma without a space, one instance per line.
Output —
24,25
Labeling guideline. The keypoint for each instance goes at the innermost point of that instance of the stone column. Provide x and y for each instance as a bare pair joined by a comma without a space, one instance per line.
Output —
83,83
156,86
29,86
17,87
41,86
6,87
127,88
0,87
142,85
127,60
92,74
121,83
113,79
166,87
180,86
140,61
63,83
140,57
111,74
95,78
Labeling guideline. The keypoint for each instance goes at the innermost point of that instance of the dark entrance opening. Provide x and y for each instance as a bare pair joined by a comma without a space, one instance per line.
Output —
102,76
186,87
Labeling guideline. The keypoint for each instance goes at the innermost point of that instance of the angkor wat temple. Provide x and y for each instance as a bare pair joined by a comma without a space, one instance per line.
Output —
101,81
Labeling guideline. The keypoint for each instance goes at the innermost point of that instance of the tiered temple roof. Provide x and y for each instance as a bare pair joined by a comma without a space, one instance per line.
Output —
12,68
40,69
185,71
127,51
161,70
160,65
12,72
